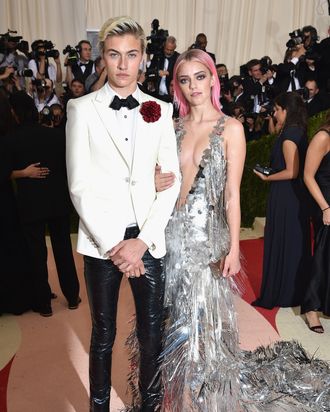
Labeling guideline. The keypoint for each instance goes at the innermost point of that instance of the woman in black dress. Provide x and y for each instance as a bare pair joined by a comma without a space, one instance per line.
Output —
287,252
317,179
15,274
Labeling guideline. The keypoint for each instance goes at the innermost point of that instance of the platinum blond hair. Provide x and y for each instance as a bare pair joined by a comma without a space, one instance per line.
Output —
119,26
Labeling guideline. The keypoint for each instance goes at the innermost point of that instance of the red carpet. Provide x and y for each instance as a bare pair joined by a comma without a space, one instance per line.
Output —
252,251
4,375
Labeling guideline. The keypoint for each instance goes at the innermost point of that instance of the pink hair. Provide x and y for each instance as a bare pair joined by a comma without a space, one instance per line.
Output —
203,58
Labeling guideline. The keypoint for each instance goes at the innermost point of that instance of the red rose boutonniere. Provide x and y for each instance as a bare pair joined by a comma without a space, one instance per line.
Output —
150,111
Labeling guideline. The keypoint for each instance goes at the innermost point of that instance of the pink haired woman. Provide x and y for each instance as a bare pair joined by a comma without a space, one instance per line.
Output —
202,245
202,367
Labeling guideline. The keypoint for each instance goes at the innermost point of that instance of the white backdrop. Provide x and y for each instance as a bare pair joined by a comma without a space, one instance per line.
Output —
237,30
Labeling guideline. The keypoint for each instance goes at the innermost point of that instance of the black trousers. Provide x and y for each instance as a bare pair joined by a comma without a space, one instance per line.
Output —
59,231
103,280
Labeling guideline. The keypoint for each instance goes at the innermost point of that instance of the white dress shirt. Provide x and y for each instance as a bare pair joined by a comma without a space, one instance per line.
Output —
127,120
162,84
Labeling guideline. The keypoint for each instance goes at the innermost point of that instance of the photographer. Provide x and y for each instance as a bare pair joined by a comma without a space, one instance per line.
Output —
13,65
6,72
255,126
257,90
57,115
163,63
43,93
232,95
310,37
324,64
9,57
78,62
222,72
9,81
291,74
75,90
97,79
317,100
39,64
201,43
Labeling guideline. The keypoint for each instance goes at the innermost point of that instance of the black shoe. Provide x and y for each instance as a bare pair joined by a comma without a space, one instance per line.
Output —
316,328
45,311
74,304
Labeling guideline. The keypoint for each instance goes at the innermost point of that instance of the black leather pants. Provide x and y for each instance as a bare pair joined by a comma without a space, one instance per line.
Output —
103,281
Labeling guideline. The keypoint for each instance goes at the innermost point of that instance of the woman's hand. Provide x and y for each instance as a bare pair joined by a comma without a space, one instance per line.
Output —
261,175
231,265
163,181
326,217
34,171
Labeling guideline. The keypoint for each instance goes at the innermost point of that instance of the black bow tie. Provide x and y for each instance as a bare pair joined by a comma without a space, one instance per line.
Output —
129,102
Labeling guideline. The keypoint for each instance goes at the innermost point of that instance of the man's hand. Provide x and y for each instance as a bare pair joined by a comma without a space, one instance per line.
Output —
57,60
127,256
7,72
163,73
163,181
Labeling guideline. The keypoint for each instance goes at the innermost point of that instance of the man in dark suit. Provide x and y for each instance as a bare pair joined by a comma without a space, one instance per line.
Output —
164,64
83,67
43,200
201,43
317,101
324,64
290,75
257,90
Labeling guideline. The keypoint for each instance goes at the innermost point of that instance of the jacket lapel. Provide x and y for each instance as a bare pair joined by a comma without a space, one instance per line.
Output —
108,118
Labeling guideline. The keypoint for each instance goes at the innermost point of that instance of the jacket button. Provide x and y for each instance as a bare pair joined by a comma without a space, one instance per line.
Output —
133,183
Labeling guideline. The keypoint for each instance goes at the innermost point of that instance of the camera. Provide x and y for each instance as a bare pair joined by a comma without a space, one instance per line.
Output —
73,54
264,169
296,38
265,64
52,53
41,83
46,116
155,46
234,83
269,109
156,39
44,44
16,43
196,45
22,73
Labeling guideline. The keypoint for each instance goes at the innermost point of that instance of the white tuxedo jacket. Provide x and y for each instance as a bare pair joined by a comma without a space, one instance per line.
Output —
104,178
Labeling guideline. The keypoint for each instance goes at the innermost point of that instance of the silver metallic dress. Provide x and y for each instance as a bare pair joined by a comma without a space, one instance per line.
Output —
202,368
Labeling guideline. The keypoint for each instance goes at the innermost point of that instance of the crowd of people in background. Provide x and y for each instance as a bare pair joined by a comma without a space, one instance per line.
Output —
36,76
247,96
